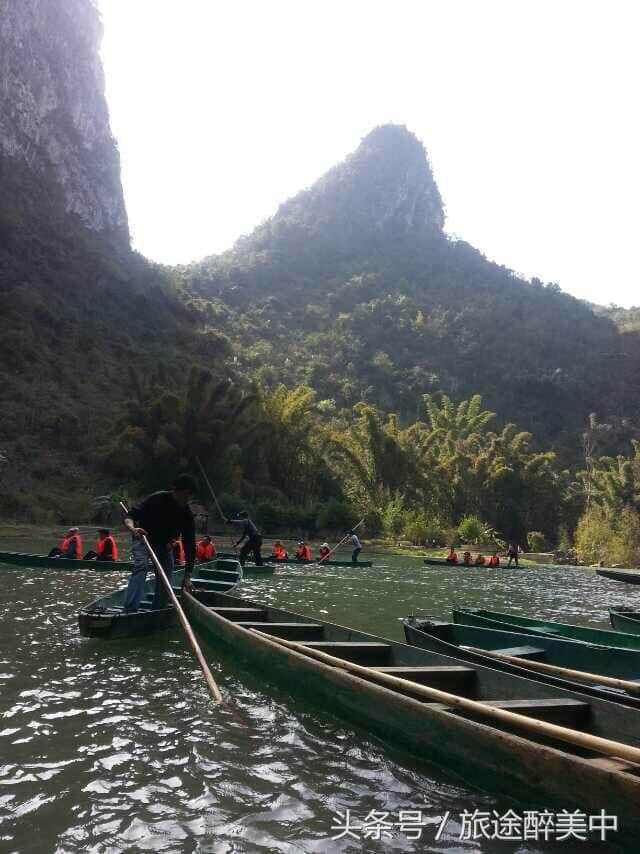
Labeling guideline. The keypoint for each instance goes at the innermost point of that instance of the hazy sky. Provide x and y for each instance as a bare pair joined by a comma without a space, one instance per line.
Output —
529,111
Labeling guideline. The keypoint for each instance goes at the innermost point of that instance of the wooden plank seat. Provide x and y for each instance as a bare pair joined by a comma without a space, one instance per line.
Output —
457,679
238,614
533,652
290,631
365,653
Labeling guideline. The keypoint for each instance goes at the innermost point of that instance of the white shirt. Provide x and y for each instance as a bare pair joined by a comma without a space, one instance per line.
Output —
355,542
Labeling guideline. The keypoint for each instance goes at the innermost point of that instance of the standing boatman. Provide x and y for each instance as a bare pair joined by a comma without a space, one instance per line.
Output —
252,536
357,546
162,517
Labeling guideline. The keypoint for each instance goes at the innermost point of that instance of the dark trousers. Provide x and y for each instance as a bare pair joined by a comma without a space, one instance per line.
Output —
513,557
252,546
55,552
354,555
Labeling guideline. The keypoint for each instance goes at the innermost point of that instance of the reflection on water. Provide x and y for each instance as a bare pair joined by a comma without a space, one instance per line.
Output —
111,747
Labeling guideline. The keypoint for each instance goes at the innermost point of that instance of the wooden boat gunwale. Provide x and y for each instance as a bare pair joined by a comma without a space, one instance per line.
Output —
625,620
628,576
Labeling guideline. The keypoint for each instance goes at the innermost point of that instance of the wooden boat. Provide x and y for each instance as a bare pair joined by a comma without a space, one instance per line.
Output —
625,620
269,560
515,623
45,562
105,618
474,644
491,748
620,575
440,561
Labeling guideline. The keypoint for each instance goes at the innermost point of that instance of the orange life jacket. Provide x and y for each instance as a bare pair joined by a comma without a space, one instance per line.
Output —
279,553
323,554
479,561
494,560
453,557
178,552
303,553
204,551
77,545
101,545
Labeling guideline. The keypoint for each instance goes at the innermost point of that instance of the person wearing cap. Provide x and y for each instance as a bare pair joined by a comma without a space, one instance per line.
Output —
162,517
357,546
70,547
252,536
303,552
323,552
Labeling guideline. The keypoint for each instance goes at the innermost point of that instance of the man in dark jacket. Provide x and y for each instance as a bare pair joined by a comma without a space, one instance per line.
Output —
162,517
252,536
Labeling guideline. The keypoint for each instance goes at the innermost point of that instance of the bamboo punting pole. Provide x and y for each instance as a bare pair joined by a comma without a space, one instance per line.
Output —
211,683
553,669
342,541
570,736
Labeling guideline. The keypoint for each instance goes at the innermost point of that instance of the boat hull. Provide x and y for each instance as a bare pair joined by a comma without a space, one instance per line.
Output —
452,638
616,575
625,620
60,563
487,756
516,623
104,618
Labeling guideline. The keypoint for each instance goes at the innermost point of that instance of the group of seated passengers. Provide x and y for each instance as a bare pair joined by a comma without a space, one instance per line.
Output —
467,560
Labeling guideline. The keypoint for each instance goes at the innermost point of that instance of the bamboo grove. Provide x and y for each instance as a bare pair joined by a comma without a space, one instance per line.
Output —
302,464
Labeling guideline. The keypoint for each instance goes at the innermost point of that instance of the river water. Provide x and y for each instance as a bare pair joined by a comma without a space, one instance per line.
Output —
114,746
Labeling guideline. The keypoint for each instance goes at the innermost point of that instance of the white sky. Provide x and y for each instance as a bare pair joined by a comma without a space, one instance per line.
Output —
223,109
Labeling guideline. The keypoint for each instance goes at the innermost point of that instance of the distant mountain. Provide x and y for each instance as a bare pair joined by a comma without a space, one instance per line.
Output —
353,287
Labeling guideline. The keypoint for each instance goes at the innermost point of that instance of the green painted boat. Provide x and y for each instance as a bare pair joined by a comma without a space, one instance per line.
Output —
620,575
270,560
625,620
515,623
440,561
485,753
105,618
454,639
44,562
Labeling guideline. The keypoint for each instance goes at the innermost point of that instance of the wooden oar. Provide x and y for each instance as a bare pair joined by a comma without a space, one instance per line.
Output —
554,669
341,542
213,688
570,736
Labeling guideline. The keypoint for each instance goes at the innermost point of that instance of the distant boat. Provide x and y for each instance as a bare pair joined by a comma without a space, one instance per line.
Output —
620,575
625,620
269,559
45,562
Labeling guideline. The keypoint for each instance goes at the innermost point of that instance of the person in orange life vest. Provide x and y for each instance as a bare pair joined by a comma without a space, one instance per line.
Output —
323,552
452,557
205,550
70,547
466,558
106,548
178,552
279,552
479,561
303,552
494,560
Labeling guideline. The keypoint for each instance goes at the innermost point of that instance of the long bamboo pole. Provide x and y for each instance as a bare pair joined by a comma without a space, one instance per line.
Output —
211,684
206,480
342,541
580,739
554,669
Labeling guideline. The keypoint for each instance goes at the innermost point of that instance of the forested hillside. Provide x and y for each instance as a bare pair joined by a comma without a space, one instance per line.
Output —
354,289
